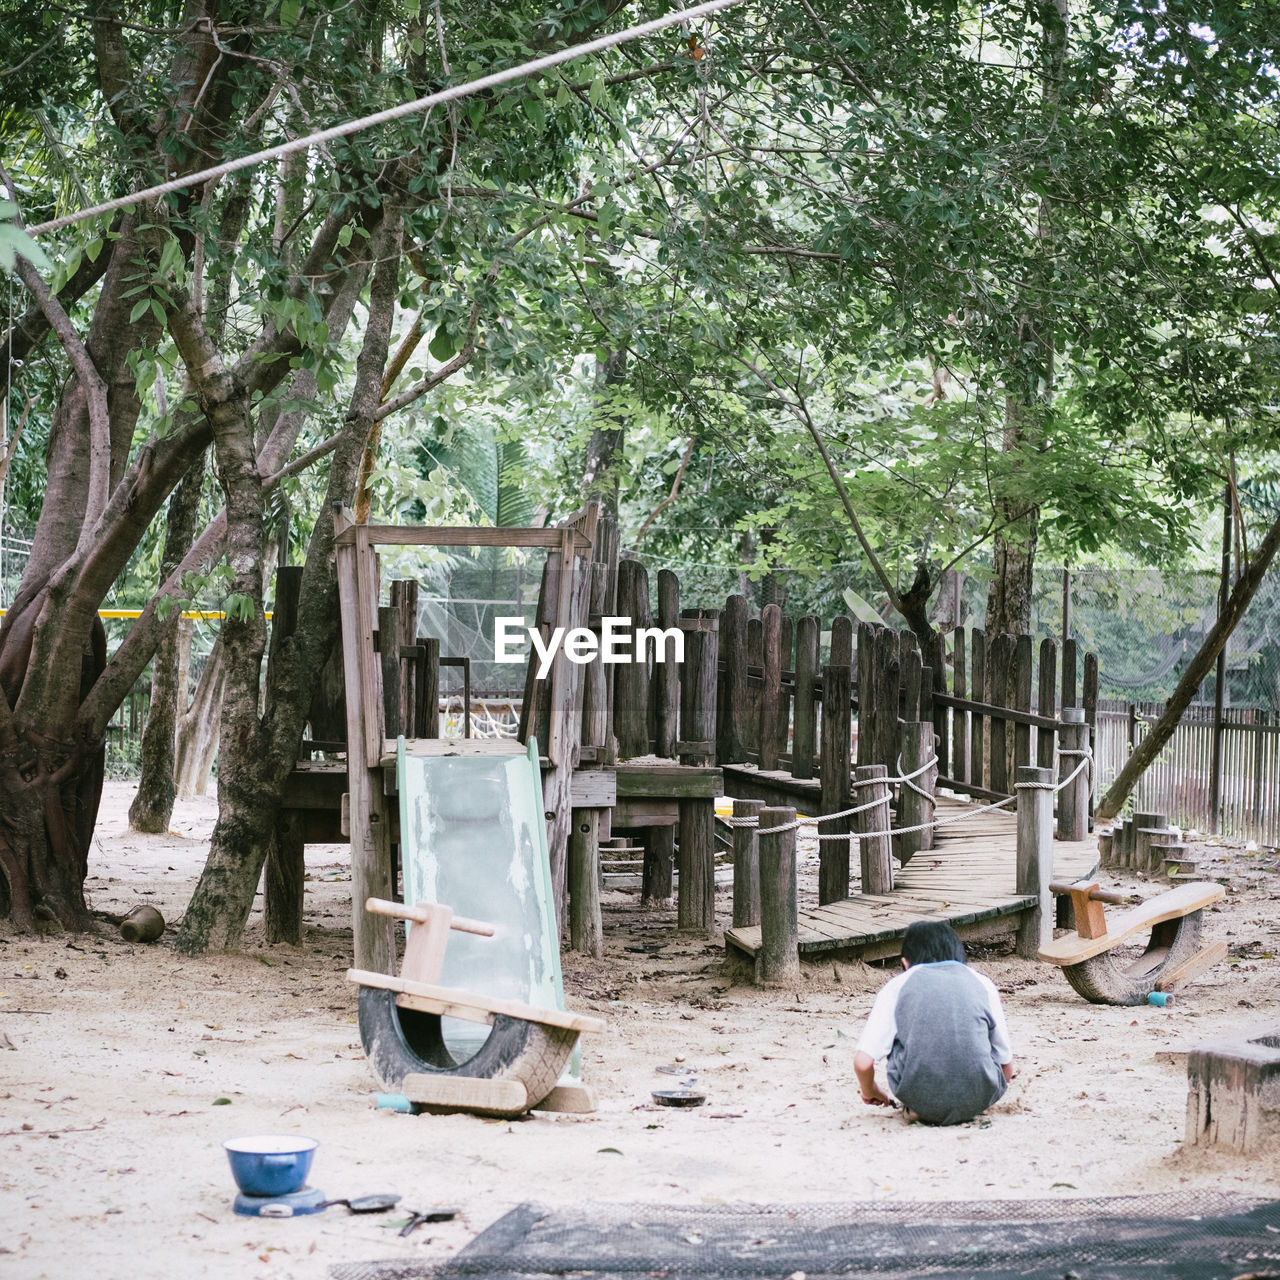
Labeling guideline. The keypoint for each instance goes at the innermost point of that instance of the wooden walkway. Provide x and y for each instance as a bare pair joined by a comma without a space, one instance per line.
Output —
968,879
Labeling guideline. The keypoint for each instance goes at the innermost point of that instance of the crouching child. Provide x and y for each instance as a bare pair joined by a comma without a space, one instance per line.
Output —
941,1027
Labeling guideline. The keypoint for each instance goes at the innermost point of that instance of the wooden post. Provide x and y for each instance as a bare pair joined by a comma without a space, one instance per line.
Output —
746,866
1035,857
731,740
659,865
977,723
698,695
1145,825
784,697
631,681
997,696
1069,651
389,656
866,691
534,712
666,675
909,693
404,596
1073,799
842,641
779,961
888,673
1047,702
586,930
959,721
833,855
755,685
1089,699
771,686
937,659
597,679
696,901
805,737
914,807
877,870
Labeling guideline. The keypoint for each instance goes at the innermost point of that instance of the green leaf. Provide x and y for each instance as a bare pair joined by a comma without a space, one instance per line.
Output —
537,113
860,608
290,11
158,311
139,309
344,236
442,346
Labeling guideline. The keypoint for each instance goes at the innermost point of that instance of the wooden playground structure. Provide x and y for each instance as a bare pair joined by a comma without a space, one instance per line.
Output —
911,738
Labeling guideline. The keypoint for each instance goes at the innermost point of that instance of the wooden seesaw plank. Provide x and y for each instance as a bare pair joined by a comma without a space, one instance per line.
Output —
1181,901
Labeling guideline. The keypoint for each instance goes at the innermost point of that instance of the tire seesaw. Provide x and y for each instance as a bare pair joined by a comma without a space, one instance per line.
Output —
513,1071
1173,954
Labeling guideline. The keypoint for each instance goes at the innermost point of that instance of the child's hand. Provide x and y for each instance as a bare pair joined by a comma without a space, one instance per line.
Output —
878,1098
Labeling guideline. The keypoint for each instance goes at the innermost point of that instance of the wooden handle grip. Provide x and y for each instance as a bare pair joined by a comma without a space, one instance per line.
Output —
420,915
1114,897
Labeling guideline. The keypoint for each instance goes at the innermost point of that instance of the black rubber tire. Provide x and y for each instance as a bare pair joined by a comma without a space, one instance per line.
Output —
1103,979
401,1042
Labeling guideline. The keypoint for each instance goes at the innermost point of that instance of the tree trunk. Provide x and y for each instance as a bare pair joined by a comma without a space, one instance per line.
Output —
603,464
152,807
197,737
1158,735
1009,596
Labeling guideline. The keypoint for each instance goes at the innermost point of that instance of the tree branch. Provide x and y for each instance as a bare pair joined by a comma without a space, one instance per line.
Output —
671,497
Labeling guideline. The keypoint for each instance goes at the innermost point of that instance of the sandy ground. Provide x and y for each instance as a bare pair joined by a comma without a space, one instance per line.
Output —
114,1093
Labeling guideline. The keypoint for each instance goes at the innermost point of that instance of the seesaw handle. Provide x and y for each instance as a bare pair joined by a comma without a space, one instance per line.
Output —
422,915
1112,896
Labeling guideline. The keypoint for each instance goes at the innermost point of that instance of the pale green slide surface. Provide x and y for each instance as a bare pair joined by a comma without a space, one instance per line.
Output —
473,837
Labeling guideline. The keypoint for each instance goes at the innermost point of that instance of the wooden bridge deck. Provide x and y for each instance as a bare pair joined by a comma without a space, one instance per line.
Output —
968,879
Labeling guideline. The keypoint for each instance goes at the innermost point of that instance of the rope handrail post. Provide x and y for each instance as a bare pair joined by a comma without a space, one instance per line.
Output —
778,963
873,828
746,865
919,770
1073,799
1035,790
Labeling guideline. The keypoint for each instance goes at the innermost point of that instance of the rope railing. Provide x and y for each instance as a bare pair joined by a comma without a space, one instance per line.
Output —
1055,787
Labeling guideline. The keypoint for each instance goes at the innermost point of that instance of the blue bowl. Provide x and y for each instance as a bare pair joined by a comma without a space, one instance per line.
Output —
270,1164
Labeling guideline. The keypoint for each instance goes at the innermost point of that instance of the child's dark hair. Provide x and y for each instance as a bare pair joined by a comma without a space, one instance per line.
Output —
931,941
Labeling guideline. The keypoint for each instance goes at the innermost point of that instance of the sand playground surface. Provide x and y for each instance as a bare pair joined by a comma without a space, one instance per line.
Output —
124,1067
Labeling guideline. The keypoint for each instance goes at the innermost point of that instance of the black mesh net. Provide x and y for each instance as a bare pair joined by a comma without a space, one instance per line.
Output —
1192,1236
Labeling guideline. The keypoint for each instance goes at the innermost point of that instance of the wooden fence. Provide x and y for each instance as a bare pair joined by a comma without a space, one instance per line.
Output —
1180,782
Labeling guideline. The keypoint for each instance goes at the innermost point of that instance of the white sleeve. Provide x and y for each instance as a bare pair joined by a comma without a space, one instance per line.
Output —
882,1023
1000,1030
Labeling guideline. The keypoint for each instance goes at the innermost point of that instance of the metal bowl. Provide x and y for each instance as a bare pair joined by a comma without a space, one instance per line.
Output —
679,1097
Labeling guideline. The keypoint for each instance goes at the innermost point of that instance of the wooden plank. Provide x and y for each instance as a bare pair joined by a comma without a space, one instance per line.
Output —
909,690
569,1099
931,706
884,749
842,641
593,789
1209,954
731,737
771,688
998,698
834,855
698,698
668,782
787,675
1168,906
666,675
586,929
755,662
1047,693
638,813
1020,683
470,1005
959,718
805,736
866,691
978,773
465,1093
631,679
381,535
